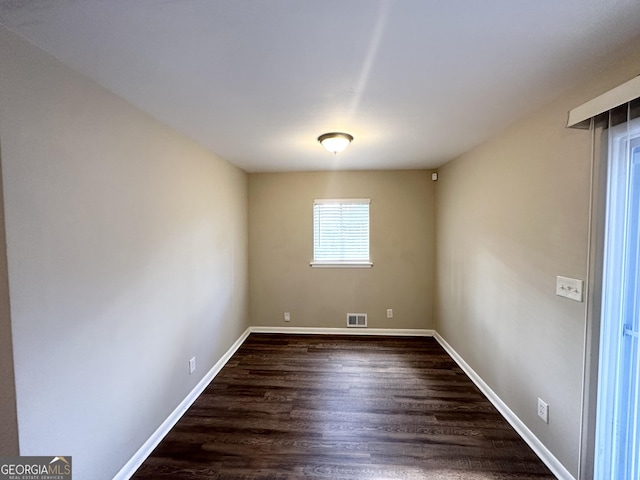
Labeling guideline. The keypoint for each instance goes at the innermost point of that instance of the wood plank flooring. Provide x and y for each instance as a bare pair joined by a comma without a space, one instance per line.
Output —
342,407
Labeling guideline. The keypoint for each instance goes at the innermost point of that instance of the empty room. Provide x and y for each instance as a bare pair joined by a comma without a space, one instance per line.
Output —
365,239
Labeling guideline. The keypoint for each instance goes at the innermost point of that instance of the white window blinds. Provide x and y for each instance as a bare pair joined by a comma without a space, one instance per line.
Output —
341,232
628,91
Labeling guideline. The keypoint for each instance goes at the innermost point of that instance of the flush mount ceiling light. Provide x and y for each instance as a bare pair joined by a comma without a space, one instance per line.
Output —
335,142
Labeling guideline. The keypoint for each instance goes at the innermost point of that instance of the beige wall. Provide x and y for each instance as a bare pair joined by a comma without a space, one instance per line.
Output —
511,216
8,413
401,244
127,255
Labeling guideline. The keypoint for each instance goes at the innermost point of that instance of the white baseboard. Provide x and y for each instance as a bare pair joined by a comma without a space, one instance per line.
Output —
414,332
527,435
145,450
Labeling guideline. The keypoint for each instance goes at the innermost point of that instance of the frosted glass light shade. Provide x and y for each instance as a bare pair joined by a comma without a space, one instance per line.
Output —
335,142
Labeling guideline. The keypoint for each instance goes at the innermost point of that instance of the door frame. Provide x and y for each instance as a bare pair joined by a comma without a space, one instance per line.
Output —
595,278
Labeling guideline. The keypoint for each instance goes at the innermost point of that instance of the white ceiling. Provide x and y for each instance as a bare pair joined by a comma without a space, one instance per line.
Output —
416,82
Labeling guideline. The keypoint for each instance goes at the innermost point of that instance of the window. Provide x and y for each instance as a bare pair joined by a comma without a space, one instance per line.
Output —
618,404
341,233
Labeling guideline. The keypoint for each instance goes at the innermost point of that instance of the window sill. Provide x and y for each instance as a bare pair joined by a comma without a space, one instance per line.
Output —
342,265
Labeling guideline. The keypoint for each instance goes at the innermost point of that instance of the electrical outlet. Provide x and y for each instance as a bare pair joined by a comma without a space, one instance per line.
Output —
287,316
543,410
192,365
389,312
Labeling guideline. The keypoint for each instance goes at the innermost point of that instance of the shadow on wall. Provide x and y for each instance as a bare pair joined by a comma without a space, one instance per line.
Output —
8,414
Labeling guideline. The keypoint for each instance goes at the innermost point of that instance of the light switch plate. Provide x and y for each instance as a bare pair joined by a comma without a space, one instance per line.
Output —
569,287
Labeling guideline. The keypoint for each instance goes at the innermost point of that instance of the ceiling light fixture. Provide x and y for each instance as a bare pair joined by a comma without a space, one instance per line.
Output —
335,142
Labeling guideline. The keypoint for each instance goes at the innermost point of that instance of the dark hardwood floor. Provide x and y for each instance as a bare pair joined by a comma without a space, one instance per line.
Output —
342,407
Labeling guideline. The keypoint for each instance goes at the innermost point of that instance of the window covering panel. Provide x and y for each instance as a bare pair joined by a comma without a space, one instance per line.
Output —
580,117
341,231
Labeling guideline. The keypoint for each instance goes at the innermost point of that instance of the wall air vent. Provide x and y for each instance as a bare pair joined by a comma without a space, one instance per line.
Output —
356,319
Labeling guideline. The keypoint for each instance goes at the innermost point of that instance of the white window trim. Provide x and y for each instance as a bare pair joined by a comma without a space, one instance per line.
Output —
320,201
362,264
342,265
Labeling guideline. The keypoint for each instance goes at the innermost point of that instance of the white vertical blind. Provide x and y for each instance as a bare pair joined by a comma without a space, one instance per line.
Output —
341,232
617,453
615,97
